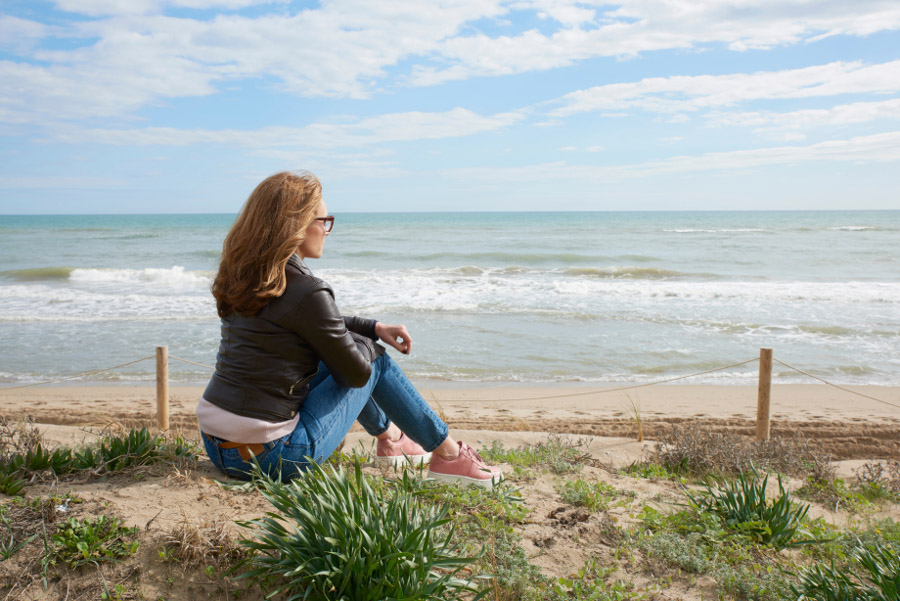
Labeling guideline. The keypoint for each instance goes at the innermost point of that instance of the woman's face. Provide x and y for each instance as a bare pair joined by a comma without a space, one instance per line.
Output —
315,236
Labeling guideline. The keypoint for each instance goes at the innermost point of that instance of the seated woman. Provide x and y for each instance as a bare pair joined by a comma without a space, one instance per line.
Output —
292,374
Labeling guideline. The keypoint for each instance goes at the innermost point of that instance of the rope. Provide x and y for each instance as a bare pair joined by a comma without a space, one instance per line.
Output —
835,385
192,362
87,373
561,396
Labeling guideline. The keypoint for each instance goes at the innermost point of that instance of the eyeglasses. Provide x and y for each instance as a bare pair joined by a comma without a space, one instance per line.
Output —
328,222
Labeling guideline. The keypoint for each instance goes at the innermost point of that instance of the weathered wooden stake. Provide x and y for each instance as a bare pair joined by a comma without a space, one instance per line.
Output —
162,387
765,394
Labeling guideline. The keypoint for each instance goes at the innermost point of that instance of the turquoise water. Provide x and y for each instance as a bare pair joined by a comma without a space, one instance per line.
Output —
488,297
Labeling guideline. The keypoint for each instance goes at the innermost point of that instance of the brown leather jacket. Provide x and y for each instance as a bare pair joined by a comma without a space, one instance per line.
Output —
266,361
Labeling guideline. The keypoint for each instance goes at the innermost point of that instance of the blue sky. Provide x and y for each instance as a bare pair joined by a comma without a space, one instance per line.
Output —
146,106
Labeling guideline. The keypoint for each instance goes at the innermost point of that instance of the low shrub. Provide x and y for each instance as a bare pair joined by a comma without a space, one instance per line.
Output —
881,477
559,454
753,582
334,536
688,553
879,569
591,582
743,507
23,454
697,451
593,495
92,540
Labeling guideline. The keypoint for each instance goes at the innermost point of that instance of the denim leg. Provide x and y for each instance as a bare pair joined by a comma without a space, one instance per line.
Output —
403,404
371,418
328,412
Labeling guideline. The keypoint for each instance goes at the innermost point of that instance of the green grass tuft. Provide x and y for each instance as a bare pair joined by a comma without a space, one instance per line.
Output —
332,535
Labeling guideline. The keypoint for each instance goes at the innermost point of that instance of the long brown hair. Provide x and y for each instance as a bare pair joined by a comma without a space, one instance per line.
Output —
268,230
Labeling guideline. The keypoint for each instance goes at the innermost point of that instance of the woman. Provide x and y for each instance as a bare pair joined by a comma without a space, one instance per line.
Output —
292,374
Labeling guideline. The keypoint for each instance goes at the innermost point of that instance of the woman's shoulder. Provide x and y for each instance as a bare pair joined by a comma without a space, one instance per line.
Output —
300,284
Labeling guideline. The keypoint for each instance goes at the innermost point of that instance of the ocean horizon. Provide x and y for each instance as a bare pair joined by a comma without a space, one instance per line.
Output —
489,297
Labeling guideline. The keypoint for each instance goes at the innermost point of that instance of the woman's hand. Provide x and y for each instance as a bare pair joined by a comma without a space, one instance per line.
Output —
394,335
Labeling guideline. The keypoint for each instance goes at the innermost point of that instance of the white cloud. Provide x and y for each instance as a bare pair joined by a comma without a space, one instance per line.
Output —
131,60
568,149
877,148
782,123
595,148
637,26
21,35
571,13
685,93
395,127
133,55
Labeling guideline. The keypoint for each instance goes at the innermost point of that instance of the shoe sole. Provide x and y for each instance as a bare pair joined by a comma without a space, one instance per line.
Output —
402,460
482,482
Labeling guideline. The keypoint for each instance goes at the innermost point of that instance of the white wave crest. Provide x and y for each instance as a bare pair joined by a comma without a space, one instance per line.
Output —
43,303
716,231
174,276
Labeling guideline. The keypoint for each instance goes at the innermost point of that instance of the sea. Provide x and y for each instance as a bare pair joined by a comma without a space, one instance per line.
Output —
602,298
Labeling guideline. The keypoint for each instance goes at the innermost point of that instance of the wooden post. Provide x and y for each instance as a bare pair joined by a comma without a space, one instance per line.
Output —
162,387
764,395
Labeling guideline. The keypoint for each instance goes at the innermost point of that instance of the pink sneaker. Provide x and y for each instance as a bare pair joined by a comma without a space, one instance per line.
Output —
468,467
400,452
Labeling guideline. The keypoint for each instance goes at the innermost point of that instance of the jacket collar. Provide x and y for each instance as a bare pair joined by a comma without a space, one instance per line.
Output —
298,264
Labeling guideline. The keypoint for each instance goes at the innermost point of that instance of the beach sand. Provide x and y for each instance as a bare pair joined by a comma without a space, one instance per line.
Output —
851,428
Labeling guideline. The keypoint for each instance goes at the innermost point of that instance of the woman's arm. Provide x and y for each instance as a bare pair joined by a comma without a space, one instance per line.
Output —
348,358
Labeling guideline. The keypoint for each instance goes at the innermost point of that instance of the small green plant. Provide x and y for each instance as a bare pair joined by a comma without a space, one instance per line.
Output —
334,536
137,447
8,544
688,553
501,503
743,507
179,449
117,594
753,582
167,554
92,540
11,483
834,493
590,582
650,470
593,495
879,567
559,454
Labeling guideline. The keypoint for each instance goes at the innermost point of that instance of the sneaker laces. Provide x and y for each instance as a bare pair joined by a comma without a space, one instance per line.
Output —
473,455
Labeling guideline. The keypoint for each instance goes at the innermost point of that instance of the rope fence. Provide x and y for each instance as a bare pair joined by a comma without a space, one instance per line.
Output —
763,397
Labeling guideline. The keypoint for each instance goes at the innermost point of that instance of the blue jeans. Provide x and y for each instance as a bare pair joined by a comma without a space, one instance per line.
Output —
326,416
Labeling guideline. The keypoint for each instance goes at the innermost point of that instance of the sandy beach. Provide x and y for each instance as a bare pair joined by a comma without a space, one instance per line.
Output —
849,426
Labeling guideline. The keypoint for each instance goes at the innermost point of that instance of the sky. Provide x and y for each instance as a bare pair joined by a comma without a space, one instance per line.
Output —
183,106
